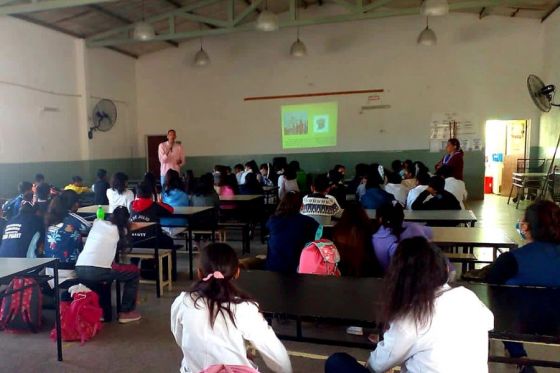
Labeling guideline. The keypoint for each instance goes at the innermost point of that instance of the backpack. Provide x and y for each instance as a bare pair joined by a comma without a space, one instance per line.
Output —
22,309
320,257
222,368
80,319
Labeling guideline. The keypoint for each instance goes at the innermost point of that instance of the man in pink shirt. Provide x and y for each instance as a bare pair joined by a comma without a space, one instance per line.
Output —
171,155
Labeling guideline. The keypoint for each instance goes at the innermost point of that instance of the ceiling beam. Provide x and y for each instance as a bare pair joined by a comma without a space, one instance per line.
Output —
41,6
121,35
178,5
67,32
554,8
122,19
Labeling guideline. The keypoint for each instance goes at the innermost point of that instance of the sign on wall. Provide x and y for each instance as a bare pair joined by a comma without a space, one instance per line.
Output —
454,125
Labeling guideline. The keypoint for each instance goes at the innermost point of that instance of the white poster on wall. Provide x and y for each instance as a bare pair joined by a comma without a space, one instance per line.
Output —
444,126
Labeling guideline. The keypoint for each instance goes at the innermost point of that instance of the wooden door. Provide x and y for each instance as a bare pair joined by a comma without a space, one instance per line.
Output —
152,144
516,144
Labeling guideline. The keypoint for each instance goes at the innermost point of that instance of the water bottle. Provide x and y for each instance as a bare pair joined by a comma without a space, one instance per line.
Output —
100,213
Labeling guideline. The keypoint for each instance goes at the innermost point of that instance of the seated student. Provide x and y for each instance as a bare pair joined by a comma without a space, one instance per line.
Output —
152,182
432,327
397,168
409,175
340,169
360,172
238,171
301,176
395,187
11,207
100,188
119,194
39,178
420,167
537,263
77,185
373,170
250,168
337,188
174,195
213,321
42,198
23,235
287,182
251,185
65,228
441,199
95,262
204,192
452,185
225,185
392,230
352,237
289,231
375,197
189,181
422,181
319,204
264,172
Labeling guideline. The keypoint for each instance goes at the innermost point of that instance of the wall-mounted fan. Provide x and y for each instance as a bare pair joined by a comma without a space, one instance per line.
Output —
103,117
542,95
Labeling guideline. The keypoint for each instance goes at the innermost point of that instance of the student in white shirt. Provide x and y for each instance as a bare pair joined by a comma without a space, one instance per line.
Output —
212,321
95,262
287,182
452,185
432,327
119,194
398,190
422,181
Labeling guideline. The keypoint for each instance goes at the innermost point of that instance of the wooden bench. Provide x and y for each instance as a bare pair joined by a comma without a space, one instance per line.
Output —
467,260
148,253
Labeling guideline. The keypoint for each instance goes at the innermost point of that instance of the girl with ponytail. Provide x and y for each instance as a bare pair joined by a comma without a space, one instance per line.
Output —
212,321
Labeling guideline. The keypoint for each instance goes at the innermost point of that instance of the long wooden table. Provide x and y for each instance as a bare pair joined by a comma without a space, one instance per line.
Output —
14,267
473,237
520,313
457,217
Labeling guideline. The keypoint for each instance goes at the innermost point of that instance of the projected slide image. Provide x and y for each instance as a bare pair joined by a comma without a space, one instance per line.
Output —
295,123
309,125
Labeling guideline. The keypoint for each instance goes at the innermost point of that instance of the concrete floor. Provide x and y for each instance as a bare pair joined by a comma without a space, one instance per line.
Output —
149,346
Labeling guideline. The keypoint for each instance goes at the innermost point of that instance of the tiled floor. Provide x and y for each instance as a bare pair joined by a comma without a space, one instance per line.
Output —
149,346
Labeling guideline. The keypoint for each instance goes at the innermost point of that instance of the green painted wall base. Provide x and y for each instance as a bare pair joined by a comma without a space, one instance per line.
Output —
59,173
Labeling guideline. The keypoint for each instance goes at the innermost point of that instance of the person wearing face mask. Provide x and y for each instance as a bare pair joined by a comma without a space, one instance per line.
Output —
453,159
171,155
537,263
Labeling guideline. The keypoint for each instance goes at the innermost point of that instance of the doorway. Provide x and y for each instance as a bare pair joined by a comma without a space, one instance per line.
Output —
506,142
152,159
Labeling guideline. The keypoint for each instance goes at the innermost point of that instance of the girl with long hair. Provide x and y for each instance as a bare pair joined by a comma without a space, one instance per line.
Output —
212,321
119,194
431,326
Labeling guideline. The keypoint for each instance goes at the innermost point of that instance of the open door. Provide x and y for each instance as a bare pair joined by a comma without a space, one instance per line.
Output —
516,145
152,144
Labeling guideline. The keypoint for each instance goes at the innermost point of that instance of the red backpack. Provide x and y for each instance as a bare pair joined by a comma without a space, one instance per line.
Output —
320,257
21,310
80,319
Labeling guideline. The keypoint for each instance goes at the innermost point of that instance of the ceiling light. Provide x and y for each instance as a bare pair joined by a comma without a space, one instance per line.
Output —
434,8
201,58
143,31
267,21
427,37
298,49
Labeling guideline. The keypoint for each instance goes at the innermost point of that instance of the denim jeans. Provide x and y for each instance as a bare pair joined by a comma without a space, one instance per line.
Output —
515,349
128,274
341,362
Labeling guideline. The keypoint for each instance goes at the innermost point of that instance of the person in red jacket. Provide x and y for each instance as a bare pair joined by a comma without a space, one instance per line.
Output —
453,159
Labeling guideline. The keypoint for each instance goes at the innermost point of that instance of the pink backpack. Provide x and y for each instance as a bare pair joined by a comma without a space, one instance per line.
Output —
320,257
221,368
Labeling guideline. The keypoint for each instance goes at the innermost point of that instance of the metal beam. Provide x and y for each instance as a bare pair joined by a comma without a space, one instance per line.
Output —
41,6
550,12
122,19
121,36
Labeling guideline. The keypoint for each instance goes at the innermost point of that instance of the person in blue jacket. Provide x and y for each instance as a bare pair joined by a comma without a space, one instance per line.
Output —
375,197
24,233
289,232
537,263
175,196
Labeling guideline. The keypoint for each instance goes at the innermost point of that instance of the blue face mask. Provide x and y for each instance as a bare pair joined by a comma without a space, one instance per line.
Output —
401,172
518,229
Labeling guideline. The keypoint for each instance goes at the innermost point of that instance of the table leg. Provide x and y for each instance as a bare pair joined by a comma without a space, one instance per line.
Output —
299,331
57,313
190,249
158,280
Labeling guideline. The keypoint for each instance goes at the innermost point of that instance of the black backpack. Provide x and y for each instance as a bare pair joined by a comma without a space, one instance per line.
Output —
21,309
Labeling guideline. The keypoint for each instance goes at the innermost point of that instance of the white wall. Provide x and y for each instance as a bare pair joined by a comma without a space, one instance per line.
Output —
40,68
478,67
550,122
